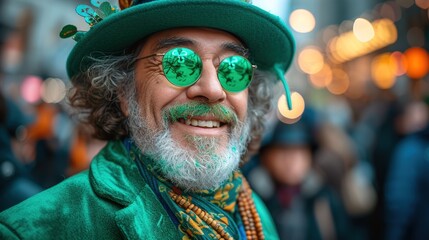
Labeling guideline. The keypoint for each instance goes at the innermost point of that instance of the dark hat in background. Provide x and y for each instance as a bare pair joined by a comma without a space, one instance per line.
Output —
300,133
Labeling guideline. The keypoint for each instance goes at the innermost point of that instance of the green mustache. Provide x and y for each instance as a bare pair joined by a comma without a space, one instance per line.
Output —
195,109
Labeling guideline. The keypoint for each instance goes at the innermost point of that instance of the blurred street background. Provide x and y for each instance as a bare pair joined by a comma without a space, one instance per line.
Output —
361,66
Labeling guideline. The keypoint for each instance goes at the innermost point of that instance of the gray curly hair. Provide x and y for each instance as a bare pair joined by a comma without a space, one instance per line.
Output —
96,95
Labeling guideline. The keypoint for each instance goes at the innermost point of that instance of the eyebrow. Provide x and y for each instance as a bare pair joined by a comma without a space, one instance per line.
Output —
237,48
172,42
181,41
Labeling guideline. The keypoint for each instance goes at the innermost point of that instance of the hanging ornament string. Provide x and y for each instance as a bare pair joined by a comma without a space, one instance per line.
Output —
249,214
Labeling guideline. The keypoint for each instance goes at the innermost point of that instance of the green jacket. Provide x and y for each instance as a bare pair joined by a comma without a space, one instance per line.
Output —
110,201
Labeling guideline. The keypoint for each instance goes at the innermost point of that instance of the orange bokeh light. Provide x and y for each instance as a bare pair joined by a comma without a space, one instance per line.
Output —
417,62
383,71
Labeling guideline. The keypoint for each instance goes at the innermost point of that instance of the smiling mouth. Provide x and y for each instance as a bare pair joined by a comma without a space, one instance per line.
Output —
201,123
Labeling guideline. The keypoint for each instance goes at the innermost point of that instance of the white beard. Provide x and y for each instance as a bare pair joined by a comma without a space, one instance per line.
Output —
204,168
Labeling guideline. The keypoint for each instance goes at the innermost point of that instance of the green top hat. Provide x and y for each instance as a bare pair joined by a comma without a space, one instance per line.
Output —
269,40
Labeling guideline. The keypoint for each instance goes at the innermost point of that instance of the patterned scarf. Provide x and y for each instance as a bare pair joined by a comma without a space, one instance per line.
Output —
219,203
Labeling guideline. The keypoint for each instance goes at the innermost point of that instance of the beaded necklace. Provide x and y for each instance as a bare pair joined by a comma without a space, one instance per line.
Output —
246,206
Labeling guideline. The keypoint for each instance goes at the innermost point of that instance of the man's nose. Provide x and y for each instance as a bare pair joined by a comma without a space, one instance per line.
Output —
208,86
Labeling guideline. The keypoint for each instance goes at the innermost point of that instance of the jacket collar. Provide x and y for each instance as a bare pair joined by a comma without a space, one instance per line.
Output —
114,176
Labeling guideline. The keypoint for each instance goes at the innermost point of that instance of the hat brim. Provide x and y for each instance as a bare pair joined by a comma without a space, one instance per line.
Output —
269,40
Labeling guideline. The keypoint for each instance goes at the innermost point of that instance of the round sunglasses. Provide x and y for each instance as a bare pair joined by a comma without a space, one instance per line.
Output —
182,67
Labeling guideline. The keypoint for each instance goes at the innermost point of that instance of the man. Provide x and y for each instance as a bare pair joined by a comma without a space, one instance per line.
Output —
301,204
407,183
167,83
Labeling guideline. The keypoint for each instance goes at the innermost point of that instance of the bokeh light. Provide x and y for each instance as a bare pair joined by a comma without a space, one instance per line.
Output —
417,62
31,88
310,60
53,90
424,4
383,71
385,30
346,46
287,115
302,21
363,30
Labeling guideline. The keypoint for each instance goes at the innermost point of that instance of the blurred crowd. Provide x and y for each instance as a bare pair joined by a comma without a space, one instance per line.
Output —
40,142
321,180
344,171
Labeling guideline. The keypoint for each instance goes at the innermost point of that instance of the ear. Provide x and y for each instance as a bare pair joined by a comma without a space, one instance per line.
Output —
123,104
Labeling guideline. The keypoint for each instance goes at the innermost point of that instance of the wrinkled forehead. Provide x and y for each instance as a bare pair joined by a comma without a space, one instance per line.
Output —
200,39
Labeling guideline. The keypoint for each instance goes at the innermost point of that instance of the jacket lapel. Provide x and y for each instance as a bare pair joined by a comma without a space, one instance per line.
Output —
115,176
146,219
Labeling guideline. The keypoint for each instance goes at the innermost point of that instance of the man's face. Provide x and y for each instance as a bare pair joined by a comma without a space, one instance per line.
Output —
196,134
288,165
155,93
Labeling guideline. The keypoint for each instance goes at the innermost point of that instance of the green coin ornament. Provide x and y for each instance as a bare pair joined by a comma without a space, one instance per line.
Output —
91,16
68,31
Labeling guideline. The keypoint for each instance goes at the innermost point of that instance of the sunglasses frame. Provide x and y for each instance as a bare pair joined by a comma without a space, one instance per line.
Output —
253,67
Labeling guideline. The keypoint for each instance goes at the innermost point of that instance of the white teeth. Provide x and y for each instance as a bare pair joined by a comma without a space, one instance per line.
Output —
202,123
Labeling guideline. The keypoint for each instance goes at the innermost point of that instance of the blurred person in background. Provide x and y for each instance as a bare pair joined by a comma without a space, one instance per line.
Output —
335,155
50,135
407,184
302,205
83,148
395,120
338,163
44,148
15,182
